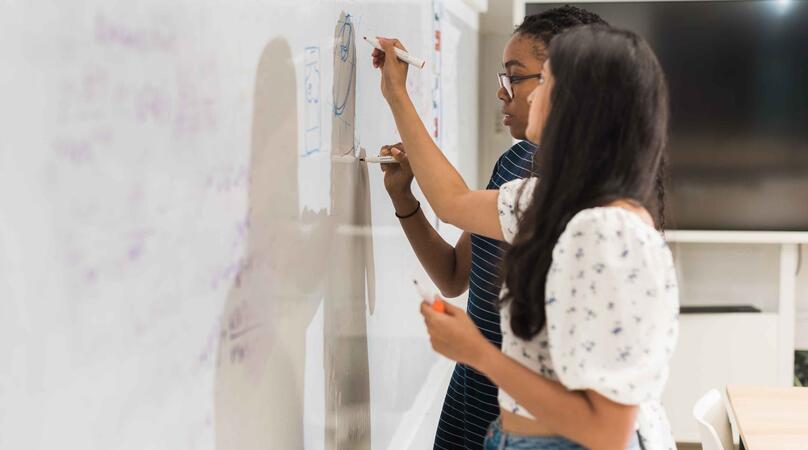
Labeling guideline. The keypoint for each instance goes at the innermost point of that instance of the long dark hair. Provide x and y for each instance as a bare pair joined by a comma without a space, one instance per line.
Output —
604,139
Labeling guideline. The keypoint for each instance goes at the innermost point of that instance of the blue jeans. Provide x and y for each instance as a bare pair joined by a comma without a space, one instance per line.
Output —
497,439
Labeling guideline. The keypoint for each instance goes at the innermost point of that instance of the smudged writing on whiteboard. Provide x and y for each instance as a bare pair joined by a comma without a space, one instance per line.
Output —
184,103
112,32
311,86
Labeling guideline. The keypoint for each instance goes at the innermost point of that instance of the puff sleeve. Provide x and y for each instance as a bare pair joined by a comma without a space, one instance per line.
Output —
612,306
514,197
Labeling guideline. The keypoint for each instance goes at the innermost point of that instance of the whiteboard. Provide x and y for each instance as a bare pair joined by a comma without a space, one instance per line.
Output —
190,255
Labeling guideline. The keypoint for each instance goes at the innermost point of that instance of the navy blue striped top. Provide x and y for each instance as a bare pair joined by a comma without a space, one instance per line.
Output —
471,400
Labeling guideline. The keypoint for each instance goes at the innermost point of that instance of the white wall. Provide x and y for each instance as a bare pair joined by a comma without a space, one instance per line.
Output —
461,109
721,274
496,26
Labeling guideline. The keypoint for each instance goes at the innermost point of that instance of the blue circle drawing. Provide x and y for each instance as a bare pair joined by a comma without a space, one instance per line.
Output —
347,55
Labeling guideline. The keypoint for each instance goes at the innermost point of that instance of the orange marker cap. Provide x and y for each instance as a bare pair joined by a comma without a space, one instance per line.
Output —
437,305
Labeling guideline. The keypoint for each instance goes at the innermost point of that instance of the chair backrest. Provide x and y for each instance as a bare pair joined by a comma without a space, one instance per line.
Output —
714,428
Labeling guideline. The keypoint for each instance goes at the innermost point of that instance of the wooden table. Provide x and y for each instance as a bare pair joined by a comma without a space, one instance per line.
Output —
770,418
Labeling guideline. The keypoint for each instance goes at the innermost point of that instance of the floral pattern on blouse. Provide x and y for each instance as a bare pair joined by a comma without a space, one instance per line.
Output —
612,306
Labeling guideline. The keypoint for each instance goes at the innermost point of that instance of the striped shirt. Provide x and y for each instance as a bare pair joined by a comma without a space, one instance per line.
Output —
471,400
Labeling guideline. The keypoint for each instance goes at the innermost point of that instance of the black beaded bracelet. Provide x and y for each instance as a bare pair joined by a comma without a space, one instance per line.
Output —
417,208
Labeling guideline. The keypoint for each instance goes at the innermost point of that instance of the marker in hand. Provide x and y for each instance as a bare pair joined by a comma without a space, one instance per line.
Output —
434,301
402,54
379,159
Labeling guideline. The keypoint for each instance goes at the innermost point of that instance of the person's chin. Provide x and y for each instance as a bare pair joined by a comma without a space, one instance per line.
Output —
517,132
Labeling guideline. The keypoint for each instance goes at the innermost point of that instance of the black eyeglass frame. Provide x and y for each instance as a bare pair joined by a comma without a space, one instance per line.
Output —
507,81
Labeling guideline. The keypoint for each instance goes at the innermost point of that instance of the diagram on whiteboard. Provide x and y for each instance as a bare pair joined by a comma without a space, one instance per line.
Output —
344,87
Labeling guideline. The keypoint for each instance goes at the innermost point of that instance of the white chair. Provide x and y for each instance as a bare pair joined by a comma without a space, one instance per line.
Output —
714,426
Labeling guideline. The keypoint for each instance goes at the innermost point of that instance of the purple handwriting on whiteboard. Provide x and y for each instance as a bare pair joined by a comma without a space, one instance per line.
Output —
230,273
138,244
82,149
183,100
238,336
77,151
228,181
108,31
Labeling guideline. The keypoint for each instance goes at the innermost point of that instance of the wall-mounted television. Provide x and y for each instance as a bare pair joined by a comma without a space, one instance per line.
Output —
737,73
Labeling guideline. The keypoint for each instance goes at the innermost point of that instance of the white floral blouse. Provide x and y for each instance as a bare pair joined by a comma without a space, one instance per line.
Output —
612,306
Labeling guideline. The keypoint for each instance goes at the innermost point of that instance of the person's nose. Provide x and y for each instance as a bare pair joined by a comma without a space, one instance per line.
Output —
502,94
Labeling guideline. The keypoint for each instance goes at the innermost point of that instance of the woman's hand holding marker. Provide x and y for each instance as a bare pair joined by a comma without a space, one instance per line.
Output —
397,177
451,331
433,300
400,53
394,70
438,305
453,334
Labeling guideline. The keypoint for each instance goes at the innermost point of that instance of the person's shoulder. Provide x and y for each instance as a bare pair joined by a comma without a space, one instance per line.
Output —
512,164
524,150
514,198
613,224
522,147
519,186
516,162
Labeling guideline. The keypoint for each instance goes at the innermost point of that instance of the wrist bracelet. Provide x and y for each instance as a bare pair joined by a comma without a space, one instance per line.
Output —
417,208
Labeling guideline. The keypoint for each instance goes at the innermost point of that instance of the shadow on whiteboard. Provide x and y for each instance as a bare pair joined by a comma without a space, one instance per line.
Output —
258,392
268,394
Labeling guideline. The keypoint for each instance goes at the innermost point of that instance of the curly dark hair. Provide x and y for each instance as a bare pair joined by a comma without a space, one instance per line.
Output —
545,25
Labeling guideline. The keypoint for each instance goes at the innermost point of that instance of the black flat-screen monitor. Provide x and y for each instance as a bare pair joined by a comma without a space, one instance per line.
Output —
737,73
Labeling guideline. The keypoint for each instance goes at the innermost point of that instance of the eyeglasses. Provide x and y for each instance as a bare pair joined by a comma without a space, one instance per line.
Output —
507,81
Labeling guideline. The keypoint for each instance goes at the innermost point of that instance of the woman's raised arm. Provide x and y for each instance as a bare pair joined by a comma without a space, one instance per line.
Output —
444,188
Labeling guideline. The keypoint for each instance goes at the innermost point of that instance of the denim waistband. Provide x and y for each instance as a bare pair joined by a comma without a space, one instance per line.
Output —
498,439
